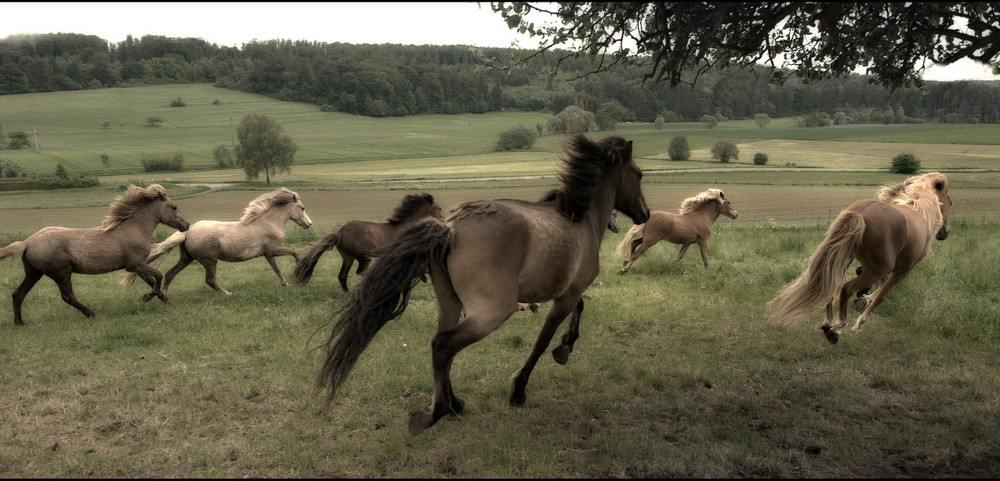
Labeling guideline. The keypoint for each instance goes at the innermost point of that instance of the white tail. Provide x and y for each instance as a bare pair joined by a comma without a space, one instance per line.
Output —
623,248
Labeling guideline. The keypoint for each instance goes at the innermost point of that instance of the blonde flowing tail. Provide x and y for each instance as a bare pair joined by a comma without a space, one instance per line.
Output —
623,247
156,254
824,273
13,249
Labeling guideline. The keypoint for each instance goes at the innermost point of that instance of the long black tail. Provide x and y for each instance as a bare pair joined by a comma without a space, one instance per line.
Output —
381,296
304,269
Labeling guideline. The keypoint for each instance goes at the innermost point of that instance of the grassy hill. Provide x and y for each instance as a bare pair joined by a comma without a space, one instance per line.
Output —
75,128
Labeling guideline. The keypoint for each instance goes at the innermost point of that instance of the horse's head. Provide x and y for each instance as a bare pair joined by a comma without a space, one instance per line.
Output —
613,223
298,213
629,198
726,208
170,215
935,182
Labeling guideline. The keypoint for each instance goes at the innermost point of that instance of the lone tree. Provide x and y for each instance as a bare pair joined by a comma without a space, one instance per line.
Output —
263,147
893,41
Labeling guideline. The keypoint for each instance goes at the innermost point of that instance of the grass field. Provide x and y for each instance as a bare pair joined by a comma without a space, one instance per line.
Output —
676,373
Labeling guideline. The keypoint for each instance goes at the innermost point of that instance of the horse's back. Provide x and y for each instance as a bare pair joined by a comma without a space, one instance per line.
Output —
895,235
88,250
523,251
224,240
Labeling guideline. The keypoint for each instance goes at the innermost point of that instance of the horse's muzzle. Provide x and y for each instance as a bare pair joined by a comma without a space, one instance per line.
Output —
943,234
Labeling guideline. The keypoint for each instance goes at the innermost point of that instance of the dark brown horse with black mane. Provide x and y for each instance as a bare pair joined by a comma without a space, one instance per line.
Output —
358,240
888,236
484,259
120,242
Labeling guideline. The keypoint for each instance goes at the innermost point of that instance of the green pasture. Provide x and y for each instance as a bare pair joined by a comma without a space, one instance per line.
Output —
676,372
75,128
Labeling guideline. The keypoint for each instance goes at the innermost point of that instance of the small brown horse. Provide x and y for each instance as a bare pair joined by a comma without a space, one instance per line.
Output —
260,232
888,236
485,258
359,240
693,224
121,241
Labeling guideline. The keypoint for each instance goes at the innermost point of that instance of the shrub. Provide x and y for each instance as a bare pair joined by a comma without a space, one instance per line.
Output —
223,157
679,149
759,158
18,139
709,121
516,138
177,103
155,162
659,122
154,120
724,151
905,164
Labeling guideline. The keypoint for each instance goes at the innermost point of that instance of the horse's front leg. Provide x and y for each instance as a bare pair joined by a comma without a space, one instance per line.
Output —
274,267
560,309
561,353
703,247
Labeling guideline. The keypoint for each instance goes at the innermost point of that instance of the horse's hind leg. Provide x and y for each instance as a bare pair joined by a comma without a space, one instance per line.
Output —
878,296
210,265
182,262
31,276
345,269
561,353
635,255
848,289
560,309
65,283
445,345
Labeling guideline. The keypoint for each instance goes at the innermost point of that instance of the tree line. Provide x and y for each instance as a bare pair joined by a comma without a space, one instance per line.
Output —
399,80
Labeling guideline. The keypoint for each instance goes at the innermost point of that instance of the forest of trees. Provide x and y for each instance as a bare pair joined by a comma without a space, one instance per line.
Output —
398,80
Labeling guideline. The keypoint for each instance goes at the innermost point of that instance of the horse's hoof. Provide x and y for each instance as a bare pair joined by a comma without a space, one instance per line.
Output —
833,337
517,396
147,297
533,307
860,304
622,272
561,354
825,328
419,420
457,406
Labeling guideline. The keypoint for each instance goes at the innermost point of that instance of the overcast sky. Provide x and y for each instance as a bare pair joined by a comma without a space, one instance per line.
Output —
233,24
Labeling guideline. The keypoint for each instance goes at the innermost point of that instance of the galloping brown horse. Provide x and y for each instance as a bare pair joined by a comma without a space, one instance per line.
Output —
359,240
121,241
693,224
259,232
485,258
888,236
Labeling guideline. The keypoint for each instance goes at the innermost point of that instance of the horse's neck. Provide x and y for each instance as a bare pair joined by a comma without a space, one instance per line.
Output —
276,218
144,222
599,215
708,212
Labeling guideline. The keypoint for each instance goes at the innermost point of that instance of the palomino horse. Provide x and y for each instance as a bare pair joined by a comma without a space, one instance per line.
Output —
358,240
693,224
121,241
888,236
259,232
485,258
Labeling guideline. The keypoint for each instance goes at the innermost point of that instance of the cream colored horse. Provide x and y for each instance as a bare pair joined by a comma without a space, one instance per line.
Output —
888,236
260,232
692,225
